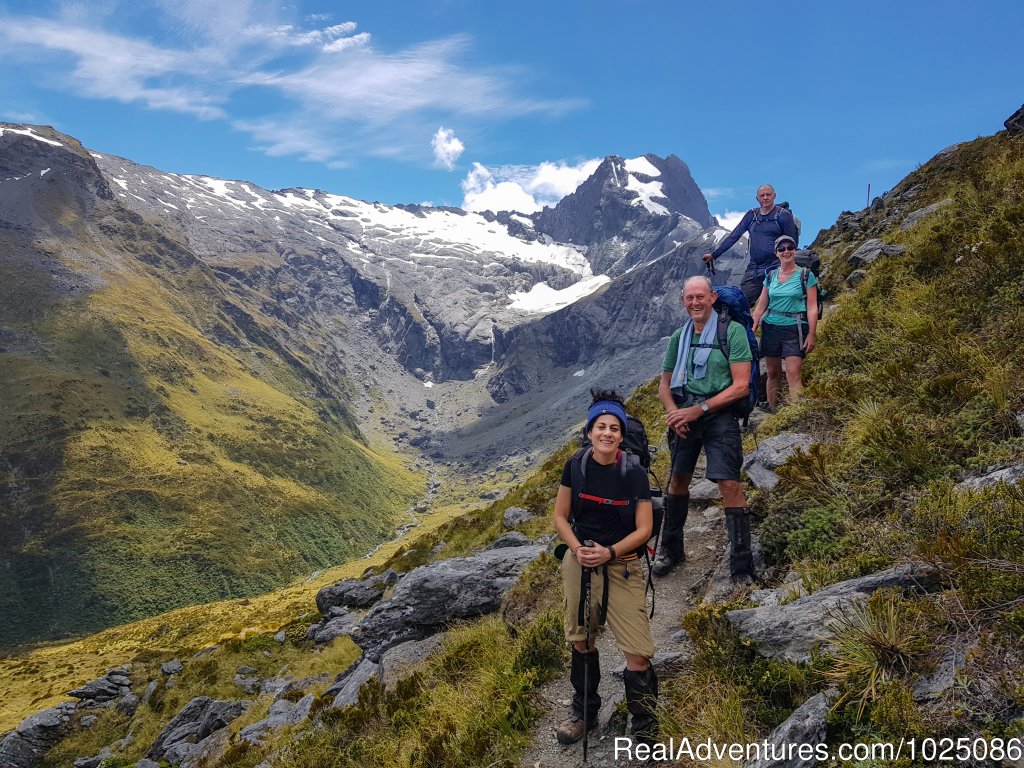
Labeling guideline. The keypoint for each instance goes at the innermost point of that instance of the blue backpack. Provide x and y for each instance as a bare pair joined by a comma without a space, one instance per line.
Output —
732,305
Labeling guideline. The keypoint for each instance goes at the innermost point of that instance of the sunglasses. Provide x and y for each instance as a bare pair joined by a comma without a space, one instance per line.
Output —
782,248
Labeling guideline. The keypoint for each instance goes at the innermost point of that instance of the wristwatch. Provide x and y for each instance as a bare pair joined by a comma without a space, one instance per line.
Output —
704,406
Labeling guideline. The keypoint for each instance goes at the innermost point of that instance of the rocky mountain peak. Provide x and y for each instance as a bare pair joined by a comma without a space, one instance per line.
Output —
626,208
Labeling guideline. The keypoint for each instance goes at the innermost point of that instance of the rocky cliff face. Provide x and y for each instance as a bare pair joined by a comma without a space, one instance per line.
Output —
628,211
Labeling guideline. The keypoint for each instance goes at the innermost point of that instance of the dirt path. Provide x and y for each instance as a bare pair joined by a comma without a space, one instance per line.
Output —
676,594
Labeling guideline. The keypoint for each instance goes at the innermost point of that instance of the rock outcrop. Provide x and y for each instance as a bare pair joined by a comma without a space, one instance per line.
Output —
196,722
25,746
770,454
793,630
432,596
791,744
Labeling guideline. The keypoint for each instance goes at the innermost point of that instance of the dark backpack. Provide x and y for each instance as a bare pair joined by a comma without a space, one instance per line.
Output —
635,451
732,305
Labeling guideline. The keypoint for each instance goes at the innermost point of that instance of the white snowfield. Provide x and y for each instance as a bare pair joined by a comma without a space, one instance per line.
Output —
31,134
419,235
543,299
646,190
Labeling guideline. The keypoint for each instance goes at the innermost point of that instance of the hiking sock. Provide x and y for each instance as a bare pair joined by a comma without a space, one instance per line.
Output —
737,525
671,549
642,702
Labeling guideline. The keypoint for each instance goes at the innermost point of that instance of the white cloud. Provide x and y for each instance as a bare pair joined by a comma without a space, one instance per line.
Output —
730,219
328,94
483,193
447,147
344,43
525,188
713,192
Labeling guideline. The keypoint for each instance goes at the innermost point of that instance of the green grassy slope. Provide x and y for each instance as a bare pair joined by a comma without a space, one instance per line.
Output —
159,446
917,381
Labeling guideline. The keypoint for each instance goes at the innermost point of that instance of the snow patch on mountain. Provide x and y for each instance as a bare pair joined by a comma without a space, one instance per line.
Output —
27,131
642,165
646,192
542,299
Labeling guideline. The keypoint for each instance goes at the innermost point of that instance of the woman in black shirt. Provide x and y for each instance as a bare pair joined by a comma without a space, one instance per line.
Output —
605,521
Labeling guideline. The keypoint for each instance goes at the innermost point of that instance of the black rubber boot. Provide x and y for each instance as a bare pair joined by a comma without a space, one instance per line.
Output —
670,549
572,730
642,702
737,525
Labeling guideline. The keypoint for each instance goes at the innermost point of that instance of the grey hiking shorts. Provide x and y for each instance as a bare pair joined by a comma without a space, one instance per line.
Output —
718,433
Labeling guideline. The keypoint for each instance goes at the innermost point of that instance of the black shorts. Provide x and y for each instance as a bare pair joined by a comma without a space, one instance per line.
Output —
781,340
718,433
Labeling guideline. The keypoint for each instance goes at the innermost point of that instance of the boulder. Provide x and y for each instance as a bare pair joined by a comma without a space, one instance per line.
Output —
856,277
279,686
704,492
871,250
915,216
772,454
333,627
346,689
350,593
32,738
197,720
516,516
1009,475
113,685
433,595
1015,122
793,630
94,761
282,712
510,539
171,667
952,657
803,729
400,661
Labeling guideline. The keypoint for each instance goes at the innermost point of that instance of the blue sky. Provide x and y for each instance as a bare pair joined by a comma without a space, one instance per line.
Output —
479,103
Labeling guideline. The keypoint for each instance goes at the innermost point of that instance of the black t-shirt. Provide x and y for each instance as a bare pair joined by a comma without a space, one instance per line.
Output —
605,523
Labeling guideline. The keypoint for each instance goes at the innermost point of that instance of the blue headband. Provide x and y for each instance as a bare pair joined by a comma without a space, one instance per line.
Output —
602,407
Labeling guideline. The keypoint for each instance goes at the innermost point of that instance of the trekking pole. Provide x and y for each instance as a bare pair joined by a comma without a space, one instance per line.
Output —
586,658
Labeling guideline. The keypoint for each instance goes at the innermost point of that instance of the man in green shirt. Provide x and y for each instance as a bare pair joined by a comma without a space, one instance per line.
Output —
699,384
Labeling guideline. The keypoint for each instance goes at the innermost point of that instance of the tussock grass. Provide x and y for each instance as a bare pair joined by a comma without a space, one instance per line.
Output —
469,706
917,380
875,642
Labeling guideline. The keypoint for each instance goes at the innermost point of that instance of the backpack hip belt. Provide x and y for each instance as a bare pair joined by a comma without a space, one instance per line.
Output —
800,317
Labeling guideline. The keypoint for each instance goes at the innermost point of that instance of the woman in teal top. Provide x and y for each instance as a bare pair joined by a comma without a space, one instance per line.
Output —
790,320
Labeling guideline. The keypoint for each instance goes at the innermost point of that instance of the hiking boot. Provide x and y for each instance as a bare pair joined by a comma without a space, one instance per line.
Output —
663,565
571,730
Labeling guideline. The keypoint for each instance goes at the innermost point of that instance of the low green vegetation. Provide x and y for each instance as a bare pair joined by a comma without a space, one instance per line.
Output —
159,446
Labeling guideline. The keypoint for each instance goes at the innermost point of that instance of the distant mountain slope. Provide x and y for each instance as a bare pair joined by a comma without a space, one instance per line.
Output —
190,364
161,443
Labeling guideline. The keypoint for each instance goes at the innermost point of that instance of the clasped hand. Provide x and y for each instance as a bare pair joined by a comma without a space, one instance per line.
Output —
680,419
591,557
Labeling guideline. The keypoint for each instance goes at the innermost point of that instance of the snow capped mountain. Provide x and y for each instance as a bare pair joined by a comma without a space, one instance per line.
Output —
447,295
